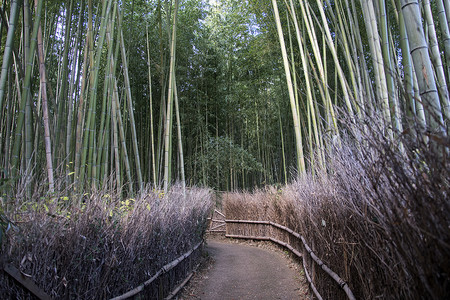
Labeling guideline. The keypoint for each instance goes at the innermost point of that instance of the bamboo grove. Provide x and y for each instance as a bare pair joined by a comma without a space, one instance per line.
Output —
393,70
130,93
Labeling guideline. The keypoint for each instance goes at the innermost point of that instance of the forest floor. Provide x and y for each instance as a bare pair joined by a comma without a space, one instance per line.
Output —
246,270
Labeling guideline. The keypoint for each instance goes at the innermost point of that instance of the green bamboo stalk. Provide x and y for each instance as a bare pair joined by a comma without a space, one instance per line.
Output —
122,133
407,65
318,57
81,107
152,138
88,140
180,141
309,88
88,59
15,7
447,11
389,70
106,105
340,72
443,22
355,38
167,135
28,116
114,126
26,92
422,63
437,61
73,85
130,106
296,119
61,96
377,61
344,32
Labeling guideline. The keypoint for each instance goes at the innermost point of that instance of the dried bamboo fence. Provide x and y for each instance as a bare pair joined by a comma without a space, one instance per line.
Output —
217,222
168,280
295,242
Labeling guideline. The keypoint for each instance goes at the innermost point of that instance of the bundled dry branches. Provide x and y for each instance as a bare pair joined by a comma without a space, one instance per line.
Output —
380,219
104,246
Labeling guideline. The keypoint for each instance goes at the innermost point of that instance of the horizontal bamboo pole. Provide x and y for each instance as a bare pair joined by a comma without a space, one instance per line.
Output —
166,268
323,266
216,220
248,222
263,238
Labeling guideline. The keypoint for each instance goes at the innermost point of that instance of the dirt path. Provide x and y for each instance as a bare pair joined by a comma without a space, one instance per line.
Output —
246,272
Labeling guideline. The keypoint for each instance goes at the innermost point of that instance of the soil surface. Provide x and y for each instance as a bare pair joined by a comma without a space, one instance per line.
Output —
243,271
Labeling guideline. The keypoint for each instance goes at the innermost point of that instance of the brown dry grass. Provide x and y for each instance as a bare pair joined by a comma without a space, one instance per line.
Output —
104,246
380,219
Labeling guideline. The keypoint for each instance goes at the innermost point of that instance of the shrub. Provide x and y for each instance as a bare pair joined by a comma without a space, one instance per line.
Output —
378,217
104,246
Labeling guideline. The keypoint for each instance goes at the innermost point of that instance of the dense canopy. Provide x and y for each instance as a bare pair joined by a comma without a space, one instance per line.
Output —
226,94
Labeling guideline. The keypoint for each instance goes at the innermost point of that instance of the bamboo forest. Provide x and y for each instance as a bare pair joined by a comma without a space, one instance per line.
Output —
124,124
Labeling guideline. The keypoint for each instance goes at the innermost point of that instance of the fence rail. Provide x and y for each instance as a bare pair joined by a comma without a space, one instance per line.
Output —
342,284
166,268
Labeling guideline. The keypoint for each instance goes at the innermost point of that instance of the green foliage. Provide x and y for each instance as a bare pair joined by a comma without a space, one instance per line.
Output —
224,153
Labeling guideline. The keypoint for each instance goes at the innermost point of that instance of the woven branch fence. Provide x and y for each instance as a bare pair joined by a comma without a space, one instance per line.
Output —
163,284
295,242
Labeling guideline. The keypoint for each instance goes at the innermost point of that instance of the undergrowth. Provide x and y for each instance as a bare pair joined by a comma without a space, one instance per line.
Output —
98,245
379,217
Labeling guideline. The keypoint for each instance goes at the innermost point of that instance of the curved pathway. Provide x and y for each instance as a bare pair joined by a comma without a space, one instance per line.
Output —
246,272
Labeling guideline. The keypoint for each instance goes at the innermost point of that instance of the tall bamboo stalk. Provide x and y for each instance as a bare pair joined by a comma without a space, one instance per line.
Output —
26,92
168,128
15,7
437,61
295,116
43,82
179,137
445,31
130,107
152,137
88,139
422,63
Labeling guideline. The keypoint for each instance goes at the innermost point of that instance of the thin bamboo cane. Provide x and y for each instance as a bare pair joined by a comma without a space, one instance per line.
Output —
61,96
297,129
152,137
168,129
377,62
114,128
340,72
130,106
15,7
73,87
88,140
122,133
26,91
180,142
309,88
103,134
28,147
389,70
443,22
435,54
43,81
